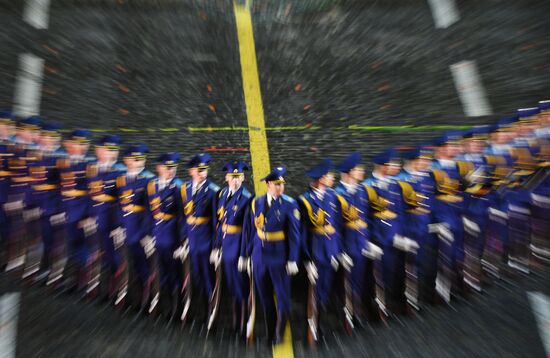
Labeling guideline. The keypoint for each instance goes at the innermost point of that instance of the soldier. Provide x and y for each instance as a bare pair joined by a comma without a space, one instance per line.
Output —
232,208
357,243
102,175
166,208
137,224
322,229
7,130
46,198
388,231
417,219
198,198
17,207
76,209
273,248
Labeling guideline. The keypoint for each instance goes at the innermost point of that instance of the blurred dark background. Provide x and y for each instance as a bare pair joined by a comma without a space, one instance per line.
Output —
155,69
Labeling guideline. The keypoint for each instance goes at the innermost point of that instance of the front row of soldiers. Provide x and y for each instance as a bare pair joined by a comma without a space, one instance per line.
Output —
468,206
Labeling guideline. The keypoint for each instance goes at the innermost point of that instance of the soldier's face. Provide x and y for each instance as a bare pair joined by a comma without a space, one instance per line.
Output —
6,130
423,164
357,174
164,172
26,135
392,169
275,189
198,175
327,180
134,164
49,141
234,181
76,148
106,155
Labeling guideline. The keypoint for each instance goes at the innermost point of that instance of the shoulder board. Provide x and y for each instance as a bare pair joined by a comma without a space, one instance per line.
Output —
254,206
183,192
152,187
178,182
91,170
464,167
213,186
288,198
343,202
246,193
409,195
121,181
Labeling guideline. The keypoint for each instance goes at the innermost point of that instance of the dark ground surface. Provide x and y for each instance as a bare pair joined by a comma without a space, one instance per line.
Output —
154,70
497,323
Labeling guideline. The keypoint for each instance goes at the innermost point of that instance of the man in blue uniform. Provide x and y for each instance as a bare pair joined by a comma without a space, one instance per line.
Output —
46,197
417,218
232,208
356,240
7,130
274,249
137,223
76,208
166,208
198,198
388,231
321,215
102,174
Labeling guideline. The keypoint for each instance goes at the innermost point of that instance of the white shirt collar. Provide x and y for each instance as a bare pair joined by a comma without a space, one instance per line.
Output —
447,163
350,188
320,193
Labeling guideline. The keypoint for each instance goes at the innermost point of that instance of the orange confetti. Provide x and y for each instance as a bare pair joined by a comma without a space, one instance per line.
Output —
51,50
383,88
386,106
212,107
123,88
51,70
123,111
298,87
375,65
50,91
307,107
209,88
287,10
308,125
202,15
120,68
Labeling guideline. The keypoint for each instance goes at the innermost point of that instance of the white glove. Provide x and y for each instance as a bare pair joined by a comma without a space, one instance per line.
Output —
334,262
148,244
470,226
404,244
216,257
312,273
182,251
118,235
31,214
442,231
242,264
89,225
346,261
291,268
13,206
57,219
372,251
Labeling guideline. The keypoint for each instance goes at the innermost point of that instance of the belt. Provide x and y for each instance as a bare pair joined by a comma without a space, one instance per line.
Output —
75,193
164,216
104,198
324,230
198,220
271,235
45,187
131,208
356,224
232,229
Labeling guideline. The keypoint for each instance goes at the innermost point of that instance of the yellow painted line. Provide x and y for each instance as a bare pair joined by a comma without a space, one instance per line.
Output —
256,126
253,98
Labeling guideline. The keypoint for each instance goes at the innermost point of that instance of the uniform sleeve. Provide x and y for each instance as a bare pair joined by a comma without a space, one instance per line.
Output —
247,238
338,223
294,232
183,218
217,221
305,241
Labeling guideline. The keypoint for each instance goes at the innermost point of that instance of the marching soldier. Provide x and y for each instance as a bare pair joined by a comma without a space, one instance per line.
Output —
273,248
322,229
356,240
232,209
137,223
388,231
198,198
46,198
76,209
166,208
7,130
102,175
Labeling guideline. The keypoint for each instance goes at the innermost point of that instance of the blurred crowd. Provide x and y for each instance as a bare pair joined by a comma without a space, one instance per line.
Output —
431,222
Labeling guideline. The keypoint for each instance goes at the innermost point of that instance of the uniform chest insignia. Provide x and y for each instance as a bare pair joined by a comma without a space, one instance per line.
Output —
235,208
296,213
